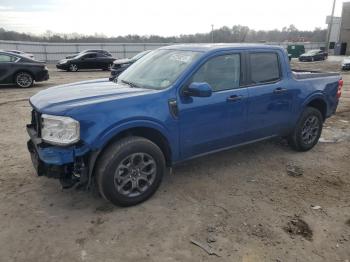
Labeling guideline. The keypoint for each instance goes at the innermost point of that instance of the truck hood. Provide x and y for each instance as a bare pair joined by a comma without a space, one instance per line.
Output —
58,100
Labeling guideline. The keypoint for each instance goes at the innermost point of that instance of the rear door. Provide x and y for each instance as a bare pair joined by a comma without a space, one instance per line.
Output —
218,121
102,60
270,100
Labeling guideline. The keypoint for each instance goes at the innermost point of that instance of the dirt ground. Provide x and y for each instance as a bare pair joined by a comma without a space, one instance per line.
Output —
261,202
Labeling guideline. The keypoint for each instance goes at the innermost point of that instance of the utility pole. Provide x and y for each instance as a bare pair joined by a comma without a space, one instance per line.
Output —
330,27
212,33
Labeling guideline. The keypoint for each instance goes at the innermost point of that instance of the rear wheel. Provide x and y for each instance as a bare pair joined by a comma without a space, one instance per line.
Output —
24,80
307,131
130,171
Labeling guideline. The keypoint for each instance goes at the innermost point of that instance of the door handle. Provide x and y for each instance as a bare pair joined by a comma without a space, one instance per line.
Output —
234,98
279,90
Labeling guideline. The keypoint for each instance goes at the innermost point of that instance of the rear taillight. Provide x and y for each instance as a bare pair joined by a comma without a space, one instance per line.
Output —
340,86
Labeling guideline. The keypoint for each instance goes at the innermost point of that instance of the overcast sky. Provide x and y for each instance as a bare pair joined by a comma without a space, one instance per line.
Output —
161,17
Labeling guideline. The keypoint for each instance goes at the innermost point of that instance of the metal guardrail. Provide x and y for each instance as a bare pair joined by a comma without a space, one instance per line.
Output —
52,52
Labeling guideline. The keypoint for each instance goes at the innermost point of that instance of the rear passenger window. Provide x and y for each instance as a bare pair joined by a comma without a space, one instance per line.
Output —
264,68
221,72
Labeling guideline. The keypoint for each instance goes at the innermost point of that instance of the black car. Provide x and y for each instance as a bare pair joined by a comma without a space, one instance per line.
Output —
121,64
106,53
92,60
313,55
21,70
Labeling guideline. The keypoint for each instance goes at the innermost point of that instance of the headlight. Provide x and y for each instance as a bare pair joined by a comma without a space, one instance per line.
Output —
60,130
63,61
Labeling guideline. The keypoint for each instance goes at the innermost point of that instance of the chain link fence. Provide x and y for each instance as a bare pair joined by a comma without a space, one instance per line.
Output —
52,52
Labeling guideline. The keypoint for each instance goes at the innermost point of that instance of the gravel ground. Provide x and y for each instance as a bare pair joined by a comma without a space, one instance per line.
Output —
261,202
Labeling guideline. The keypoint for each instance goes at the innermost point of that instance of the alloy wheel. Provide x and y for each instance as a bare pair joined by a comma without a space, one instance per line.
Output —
310,129
24,80
73,67
135,174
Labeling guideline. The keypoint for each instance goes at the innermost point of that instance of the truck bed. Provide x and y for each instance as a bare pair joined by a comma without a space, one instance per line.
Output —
305,74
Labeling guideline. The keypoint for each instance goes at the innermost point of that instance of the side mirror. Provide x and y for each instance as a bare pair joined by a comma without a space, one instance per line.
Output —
198,89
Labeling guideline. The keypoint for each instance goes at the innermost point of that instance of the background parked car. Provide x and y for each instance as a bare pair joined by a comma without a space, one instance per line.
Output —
92,60
21,53
106,53
120,65
21,70
313,55
346,63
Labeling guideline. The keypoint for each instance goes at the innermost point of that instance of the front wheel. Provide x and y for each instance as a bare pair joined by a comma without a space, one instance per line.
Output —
307,131
73,68
130,171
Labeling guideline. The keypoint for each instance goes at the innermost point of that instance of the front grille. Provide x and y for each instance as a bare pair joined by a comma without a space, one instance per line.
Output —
36,122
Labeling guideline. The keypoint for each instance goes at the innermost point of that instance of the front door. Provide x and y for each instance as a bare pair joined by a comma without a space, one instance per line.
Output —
218,121
89,61
7,63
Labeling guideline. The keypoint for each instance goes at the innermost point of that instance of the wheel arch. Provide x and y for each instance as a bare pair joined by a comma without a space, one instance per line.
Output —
318,103
148,131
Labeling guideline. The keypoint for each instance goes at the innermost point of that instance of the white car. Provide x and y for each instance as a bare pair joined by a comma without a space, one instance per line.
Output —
346,63
21,53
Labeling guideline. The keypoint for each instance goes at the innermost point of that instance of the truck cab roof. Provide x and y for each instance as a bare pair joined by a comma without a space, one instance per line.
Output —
219,47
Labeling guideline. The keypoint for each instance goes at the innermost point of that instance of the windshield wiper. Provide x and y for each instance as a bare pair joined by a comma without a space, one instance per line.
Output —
131,84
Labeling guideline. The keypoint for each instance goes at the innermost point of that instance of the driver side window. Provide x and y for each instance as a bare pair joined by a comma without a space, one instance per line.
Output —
221,72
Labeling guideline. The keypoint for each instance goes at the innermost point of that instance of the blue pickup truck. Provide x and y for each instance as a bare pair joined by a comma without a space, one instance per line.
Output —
176,103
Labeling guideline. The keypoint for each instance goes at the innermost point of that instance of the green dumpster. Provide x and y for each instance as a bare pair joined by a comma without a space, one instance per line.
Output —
296,50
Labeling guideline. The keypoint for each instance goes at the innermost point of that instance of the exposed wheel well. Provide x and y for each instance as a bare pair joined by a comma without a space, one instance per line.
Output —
320,105
149,133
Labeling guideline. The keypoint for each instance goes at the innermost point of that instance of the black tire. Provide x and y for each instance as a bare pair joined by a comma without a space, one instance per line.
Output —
24,80
304,143
113,160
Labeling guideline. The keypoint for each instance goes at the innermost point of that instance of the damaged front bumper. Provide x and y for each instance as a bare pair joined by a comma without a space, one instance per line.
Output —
71,164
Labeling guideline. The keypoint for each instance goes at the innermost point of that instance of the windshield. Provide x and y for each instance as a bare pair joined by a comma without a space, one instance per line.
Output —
159,69
312,52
